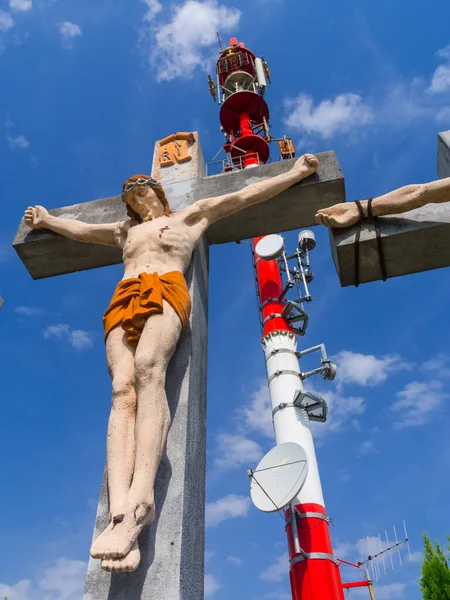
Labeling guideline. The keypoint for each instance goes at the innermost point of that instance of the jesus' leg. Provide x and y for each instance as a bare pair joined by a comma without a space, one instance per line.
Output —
154,351
120,445
121,426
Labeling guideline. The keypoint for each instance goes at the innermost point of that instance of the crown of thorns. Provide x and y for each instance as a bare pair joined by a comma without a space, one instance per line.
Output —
150,181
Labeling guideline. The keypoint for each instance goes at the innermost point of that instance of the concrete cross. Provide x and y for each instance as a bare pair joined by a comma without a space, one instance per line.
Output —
172,548
412,242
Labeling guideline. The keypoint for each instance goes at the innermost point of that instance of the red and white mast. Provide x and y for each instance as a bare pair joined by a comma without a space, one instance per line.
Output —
244,116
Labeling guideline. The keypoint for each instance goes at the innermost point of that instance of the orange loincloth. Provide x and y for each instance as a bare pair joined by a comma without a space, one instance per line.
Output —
137,299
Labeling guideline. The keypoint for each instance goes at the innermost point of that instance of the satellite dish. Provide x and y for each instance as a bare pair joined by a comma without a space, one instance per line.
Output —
279,477
270,247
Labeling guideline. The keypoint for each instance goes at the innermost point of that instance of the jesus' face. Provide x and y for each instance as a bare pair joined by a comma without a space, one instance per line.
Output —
144,201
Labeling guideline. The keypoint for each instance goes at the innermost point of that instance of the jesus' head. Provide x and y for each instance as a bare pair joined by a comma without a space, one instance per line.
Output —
145,199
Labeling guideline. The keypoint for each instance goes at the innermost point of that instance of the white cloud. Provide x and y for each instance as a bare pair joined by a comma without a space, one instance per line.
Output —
75,337
366,369
230,507
21,5
366,448
417,557
153,8
343,549
20,591
68,32
18,141
392,103
235,561
212,585
278,570
26,311
440,82
235,451
341,410
329,117
63,580
439,366
418,403
258,414
6,21
184,43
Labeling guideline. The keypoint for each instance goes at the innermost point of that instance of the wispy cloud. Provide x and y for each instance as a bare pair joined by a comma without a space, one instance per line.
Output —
418,403
235,561
366,447
440,82
69,32
366,369
76,338
184,43
153,8
236,450
329,117
20,5
393,102
17,141
257,415
438,365
63,580
6,21
26,311
212,585
229,507
342,411
278,570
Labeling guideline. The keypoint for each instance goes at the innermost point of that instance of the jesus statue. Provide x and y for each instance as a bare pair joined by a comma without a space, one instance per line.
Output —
147,315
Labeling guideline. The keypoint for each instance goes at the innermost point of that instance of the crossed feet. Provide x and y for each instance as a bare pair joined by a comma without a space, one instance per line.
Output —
117,546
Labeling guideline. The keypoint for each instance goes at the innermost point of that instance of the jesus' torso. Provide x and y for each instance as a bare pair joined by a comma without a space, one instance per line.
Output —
158,246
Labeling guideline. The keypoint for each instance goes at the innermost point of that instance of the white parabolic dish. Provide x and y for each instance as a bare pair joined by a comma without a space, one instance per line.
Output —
279,477
270,246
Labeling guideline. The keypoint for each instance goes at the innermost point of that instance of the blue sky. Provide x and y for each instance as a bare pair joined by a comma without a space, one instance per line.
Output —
86,90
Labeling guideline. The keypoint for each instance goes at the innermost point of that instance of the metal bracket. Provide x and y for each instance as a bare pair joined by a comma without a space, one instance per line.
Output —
315,406
313,515
282,372
314,556
282,406
327,368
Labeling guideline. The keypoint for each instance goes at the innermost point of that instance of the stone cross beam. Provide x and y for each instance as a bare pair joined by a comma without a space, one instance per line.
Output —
416,241
46,254
172,548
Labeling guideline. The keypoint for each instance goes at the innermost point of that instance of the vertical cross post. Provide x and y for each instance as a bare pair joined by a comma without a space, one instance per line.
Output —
172,549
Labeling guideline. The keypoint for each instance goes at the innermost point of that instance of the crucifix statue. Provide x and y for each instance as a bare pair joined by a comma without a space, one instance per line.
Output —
173,217
148,313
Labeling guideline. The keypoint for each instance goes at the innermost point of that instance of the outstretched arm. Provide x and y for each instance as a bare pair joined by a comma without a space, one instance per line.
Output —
396,202
214,209
37,217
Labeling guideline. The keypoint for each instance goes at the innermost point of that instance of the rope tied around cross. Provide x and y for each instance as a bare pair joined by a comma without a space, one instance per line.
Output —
372,220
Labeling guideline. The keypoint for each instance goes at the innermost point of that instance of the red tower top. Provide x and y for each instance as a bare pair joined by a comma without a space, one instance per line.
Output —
241,82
